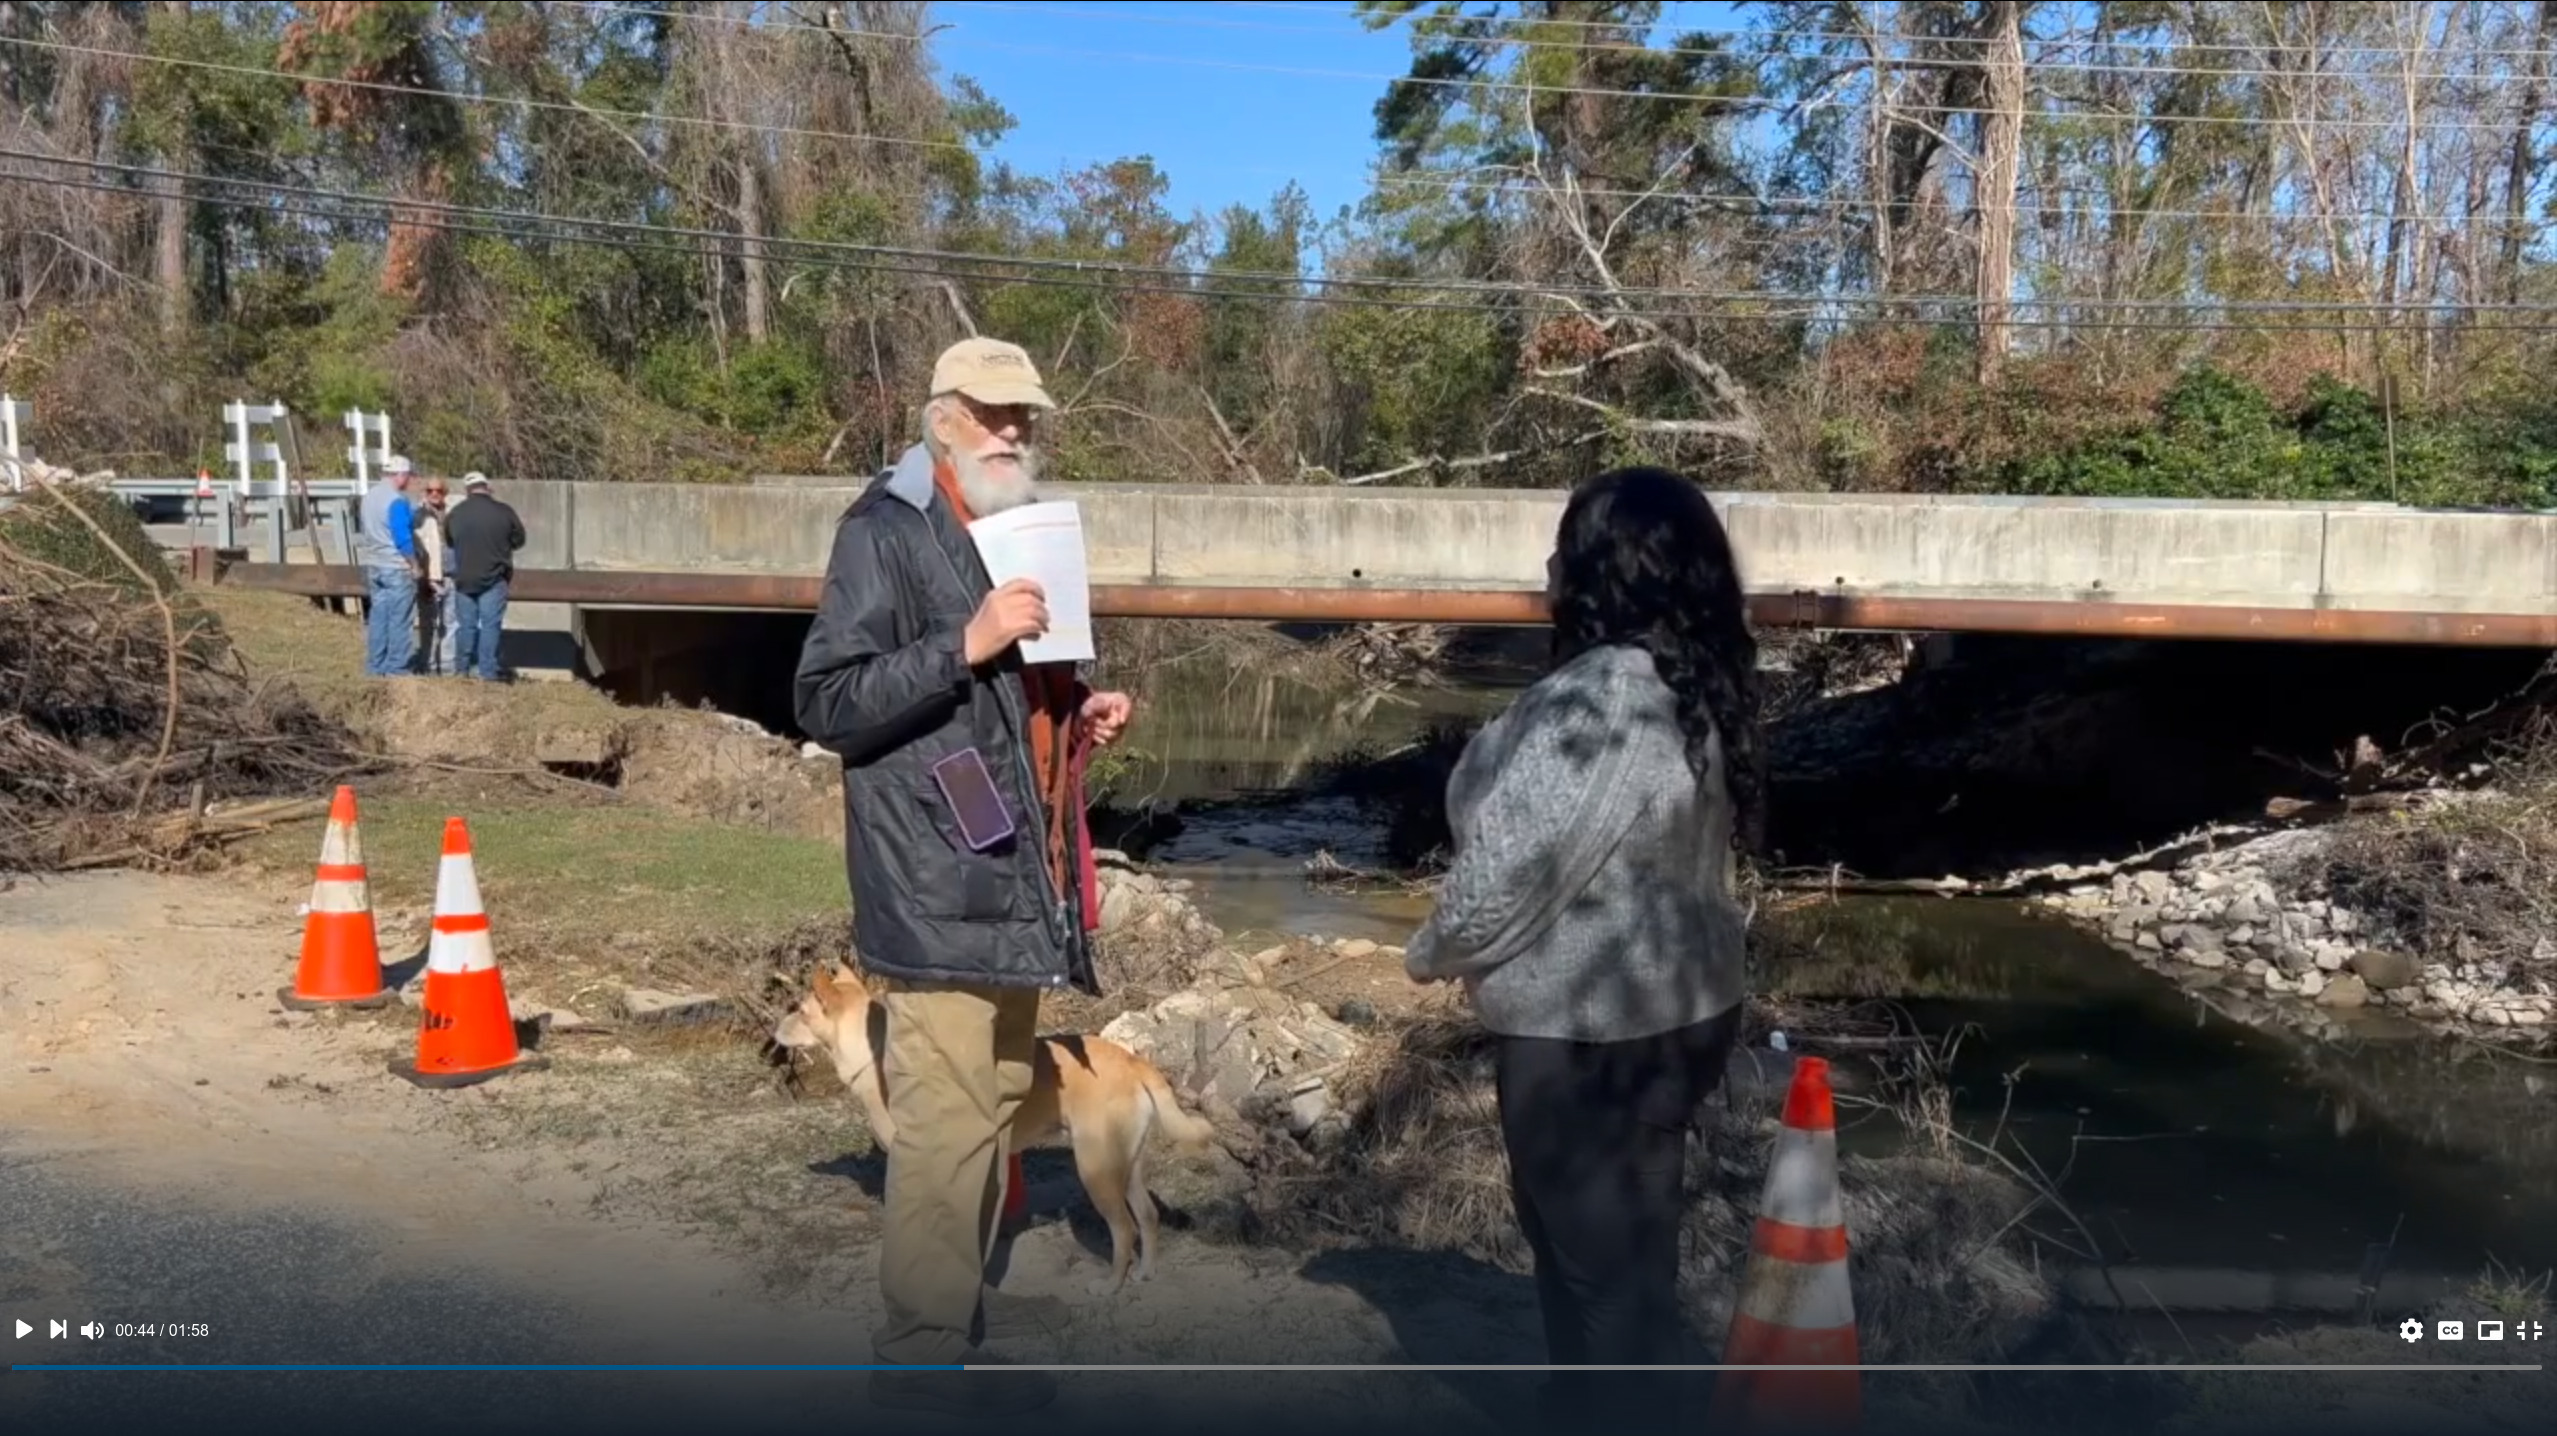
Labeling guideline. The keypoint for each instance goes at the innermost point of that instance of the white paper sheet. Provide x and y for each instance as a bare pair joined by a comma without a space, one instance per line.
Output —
1044,542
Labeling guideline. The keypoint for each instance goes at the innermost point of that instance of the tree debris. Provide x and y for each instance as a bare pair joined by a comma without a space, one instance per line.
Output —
125,717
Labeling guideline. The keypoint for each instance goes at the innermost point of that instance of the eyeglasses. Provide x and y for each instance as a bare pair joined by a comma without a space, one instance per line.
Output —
995,418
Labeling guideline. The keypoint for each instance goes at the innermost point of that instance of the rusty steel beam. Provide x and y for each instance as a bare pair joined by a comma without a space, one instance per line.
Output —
1517,607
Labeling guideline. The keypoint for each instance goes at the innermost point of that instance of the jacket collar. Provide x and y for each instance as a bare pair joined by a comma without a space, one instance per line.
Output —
911,480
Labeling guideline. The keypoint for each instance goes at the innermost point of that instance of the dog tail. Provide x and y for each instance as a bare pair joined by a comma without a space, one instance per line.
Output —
1184,1127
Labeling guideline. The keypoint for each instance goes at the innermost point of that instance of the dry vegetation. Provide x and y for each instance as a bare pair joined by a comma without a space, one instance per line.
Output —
1935,1257
124,711
2470,883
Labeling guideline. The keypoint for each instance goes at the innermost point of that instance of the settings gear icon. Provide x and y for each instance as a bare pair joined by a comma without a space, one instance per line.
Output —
2411,1329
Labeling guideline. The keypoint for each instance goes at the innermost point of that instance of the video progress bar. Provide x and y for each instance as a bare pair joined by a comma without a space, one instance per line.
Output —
1268,1368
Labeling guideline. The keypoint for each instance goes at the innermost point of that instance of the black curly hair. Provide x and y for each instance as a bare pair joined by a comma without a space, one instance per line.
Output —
1641,559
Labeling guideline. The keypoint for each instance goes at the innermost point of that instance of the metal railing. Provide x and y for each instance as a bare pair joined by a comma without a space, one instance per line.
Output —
261,437
2079,618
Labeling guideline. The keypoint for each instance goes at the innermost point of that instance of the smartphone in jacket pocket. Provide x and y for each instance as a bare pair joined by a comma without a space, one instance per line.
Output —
976,805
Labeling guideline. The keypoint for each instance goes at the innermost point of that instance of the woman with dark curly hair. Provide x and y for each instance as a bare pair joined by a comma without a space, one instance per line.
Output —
1589,909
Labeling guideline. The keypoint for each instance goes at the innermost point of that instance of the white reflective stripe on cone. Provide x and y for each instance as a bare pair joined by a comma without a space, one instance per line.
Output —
1791,1294
454,953
332,896
1802,1180
457,887
341,847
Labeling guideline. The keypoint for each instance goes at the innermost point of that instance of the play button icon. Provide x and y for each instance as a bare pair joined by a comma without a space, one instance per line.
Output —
23,1329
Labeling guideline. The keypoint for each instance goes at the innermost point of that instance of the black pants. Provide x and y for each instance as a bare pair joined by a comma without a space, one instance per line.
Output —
1597,1137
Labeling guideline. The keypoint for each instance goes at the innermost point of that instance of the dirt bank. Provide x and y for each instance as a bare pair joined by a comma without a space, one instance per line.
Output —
2014,752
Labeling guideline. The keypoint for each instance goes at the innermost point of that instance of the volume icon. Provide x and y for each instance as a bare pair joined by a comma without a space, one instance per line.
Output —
93,1329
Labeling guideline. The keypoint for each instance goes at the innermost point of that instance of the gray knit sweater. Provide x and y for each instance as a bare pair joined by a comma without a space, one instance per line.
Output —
1590,895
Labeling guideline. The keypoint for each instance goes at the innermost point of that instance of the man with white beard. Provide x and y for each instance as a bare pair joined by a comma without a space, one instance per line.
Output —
912,675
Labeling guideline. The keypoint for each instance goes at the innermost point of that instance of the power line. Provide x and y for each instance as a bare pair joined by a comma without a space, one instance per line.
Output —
1767,106
1400,181
1856,205
2060,42
1203,284
1526,87
1146,17
465,97
749,126
1859,37
1510,288
343,215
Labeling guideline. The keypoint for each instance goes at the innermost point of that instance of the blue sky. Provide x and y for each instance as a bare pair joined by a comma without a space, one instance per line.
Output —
1232,100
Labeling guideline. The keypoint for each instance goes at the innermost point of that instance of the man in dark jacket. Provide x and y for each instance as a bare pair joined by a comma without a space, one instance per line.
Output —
484,532
913,660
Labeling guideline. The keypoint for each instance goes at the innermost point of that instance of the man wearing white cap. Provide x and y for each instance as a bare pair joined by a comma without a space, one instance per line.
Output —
386,547
913,675
486,532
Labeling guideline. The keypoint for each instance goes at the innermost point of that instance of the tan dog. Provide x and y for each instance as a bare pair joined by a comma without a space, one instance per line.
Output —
1104,1097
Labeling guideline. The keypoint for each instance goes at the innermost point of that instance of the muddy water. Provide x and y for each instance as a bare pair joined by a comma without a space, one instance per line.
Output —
1245,759
2215,1166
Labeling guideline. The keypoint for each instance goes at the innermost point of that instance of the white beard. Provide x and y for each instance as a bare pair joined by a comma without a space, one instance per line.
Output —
989,492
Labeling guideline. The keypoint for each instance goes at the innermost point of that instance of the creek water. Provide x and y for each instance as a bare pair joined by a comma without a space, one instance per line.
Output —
2218,1167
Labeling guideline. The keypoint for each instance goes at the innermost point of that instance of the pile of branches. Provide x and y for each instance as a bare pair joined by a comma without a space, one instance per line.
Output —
126,720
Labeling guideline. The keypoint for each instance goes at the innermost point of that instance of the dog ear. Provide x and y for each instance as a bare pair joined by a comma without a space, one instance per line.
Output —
824,987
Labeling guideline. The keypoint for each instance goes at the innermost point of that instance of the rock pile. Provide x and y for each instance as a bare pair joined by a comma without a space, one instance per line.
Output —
1250,1050
1138,904
2244,916
1226,1035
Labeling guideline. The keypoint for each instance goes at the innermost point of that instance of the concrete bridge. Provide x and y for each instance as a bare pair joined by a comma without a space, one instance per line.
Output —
2373,573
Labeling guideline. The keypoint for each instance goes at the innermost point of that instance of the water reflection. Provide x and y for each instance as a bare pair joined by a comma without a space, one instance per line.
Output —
1255,760
2225,1166
2190,1140
1216,734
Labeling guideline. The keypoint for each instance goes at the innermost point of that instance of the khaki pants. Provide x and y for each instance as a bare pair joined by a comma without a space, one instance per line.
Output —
958,1068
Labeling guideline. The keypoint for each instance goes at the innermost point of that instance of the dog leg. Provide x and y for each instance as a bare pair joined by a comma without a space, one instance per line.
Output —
1149,1218
1105,1180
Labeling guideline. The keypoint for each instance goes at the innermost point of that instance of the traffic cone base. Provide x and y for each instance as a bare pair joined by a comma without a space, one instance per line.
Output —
341,961
293,1001
1016,1195
1795,1307
465,1030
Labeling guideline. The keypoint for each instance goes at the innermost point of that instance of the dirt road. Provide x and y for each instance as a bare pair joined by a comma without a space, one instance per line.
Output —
187,1152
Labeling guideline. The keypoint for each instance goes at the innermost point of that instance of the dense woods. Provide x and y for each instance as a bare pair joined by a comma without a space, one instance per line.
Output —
2224,249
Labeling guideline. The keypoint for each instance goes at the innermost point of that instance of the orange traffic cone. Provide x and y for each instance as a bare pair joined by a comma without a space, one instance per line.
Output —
341,955
465,1034
1795,1308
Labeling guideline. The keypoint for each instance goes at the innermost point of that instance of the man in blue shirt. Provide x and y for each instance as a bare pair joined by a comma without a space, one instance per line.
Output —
386,546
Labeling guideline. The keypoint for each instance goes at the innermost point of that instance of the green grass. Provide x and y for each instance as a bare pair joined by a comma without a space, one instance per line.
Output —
287,638
596,878
2511,1294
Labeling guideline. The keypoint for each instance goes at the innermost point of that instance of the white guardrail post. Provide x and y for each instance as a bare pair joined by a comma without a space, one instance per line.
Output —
367,457
15,414
245,451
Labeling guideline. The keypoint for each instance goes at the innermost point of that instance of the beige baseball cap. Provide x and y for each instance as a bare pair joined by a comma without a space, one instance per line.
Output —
990,372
